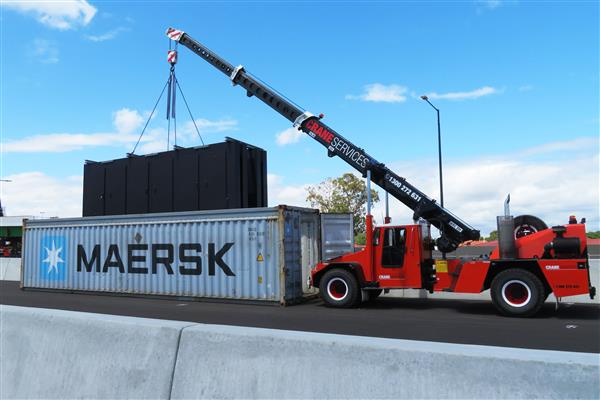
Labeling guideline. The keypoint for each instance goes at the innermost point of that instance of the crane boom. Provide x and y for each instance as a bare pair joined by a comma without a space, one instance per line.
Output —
453,230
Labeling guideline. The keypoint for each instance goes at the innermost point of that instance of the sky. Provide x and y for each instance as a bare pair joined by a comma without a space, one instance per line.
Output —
516,83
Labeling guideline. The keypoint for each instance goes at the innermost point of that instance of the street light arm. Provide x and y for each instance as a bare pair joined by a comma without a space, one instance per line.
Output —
424,97
427,100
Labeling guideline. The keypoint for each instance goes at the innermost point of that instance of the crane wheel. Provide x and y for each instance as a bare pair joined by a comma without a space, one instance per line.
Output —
339,288
517,293
527,225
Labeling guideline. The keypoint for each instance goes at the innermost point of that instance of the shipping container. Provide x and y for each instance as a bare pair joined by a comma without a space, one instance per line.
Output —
226,175
261,254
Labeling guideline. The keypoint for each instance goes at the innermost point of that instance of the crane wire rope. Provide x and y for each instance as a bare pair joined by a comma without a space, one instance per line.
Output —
189,111
150,117
171,86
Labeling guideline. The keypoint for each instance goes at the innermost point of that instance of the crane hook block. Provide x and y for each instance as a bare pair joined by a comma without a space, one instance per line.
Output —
174,34
172,57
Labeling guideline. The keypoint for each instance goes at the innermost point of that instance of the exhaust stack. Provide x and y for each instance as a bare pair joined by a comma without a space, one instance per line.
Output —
506,232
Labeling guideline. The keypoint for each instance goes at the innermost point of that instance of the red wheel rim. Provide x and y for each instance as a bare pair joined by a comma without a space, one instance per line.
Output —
337,289
516,293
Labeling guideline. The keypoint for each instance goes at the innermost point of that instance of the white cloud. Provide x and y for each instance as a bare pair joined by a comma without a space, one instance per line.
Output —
155,140
473,94
126,120
280,193
378,92
62,15
32,193
542,181
44,51
525,88
289,136
490,4
187,133
207,126
566,145
112,34
127,125
63,142
551,187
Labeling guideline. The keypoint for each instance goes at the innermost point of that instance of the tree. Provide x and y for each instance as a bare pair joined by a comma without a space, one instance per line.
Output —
346,194
493,236
593,235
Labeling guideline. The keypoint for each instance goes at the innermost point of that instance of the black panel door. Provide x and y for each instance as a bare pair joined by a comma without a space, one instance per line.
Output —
185,177
161,182
137,185
115,187
235,174
212,177
93,189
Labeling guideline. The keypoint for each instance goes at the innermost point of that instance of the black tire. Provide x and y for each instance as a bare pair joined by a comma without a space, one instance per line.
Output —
373,294
517,293
339,288
527,225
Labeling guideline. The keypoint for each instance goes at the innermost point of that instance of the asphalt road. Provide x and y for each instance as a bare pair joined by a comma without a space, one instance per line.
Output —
573,327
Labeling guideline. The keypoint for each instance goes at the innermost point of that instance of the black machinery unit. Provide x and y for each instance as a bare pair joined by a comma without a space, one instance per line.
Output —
231,174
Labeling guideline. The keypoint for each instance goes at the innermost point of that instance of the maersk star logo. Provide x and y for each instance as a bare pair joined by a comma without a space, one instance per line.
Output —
53,258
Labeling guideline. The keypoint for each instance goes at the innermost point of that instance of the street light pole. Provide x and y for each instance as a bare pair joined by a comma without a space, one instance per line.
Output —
439,149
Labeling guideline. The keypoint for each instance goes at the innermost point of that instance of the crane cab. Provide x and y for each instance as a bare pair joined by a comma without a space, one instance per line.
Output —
394,257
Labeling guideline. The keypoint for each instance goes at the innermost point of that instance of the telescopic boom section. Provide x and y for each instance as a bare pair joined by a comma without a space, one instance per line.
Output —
453,230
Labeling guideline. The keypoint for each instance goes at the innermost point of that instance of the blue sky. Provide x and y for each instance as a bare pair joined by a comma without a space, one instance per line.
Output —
516,82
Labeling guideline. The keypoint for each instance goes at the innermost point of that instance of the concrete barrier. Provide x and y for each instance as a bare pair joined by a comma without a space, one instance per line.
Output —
234,362
10,269
63,354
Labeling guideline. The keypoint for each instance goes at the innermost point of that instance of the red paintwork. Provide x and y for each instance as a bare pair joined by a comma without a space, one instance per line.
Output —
565,277
471,277
409,275
532,246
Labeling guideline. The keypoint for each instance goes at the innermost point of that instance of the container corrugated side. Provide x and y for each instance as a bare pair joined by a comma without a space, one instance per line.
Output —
238,254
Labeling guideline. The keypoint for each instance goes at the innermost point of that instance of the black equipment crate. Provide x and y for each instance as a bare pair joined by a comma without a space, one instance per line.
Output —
226,175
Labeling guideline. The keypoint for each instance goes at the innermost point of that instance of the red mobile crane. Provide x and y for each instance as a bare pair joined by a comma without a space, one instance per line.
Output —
530,262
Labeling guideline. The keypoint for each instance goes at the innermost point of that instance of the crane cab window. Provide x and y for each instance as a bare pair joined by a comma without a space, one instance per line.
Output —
394,246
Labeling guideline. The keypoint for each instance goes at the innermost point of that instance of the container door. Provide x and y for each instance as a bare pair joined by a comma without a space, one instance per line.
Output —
337,235
310,247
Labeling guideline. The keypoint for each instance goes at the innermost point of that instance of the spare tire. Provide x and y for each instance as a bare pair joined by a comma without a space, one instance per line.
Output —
528,224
